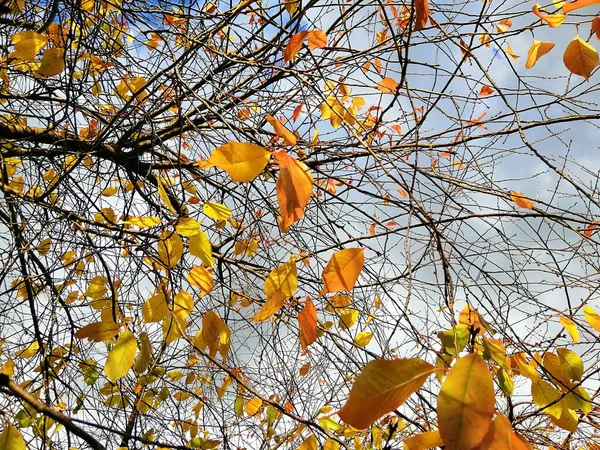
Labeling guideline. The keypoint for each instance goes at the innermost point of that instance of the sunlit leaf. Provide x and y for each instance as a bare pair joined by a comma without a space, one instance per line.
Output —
571,328
422,16
570,363
216,334
28,351
145,355
281,284
307,321
121,356
170,248
387,85
186,226
294,188
580,58
381,387
536,51
310,443
242,161
363,338
424,441
545,397
466,404
553,20
27,44
252,406
201,278
155,308
294,45
12,439
342,270
98,331
348,318
52,62
316,39
280,130
592,317
501,436
521,200
572,6
201,247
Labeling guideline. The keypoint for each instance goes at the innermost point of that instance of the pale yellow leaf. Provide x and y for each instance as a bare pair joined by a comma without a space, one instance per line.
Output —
571,328
121,356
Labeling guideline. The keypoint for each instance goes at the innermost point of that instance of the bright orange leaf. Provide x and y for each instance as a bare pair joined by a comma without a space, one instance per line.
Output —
387,85
343,270
553,20
422,9
466,404
536,51
242,161
381,387
316,39
485,91
281,284
567,7
502,436
596,26
307,320
281,130
521,200
294,188
293,47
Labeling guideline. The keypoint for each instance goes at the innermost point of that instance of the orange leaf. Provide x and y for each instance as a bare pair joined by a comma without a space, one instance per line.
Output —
485,91
294,46
580,58
387,85
567,7
316,39
596,26
307,319
280,130
422,8
422,441
343,270
589,230
509,52
382,386
297,112
521,200
536,51
294,188
281,284
553,20
466,404
502,436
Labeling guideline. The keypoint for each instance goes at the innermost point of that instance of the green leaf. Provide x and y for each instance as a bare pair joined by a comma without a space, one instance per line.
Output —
11,439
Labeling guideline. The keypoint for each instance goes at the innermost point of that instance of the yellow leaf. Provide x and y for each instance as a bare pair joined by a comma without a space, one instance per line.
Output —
553,20
310,443
343,270
280,130
144,222
155,308
98,331
570,327
186,226
363,338
44,246
161,186
52,62
200,247
580,57
12,439
183,306
294,188
109,191
145,355
509,52
170,249
8,368
570,364
203,443
545,397
201,278
348,318
243,161
466,404
568,7
330,444
381,387
252,406
536,51
423,441
170,330
29,351
27,44
307,320
291,6
215,334
521,200
502,436
216,211
592,317
121,357
281,284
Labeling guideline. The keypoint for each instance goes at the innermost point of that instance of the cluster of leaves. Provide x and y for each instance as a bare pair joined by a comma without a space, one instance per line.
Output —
287,224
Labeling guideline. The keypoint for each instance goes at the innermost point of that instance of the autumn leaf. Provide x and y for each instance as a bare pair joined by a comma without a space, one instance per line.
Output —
381,387
580,58
316,39
52,62
216,334
592,317
201,247
294,45
12,439
521,200
98,331
201,278
568,7
571,328
155,308
387,85
363,338
121,356
343,270
466,404
509,52
281,284
27,44
281,130
294,188
485,91
553,20
310,443
307,321
242,161
216,211
145,355
422,15
596,27
536,51
502,436
423,441
170,249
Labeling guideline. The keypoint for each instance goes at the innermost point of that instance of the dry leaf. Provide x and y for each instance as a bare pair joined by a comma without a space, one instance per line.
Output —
536,51
580,58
